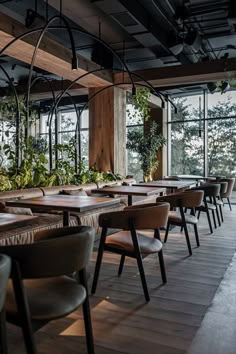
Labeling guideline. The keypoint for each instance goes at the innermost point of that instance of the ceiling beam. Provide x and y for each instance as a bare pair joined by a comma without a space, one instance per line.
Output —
185,74
51,56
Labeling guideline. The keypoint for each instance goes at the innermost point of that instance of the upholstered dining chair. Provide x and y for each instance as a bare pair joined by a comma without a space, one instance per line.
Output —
229,190
41,289
218,200
184,200
211,192
133,241
5,268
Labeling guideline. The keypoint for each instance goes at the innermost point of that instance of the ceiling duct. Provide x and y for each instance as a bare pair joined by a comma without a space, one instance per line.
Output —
194,40
137,21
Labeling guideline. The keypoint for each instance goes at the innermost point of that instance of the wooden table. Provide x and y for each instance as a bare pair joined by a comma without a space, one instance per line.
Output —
172,185
65,203
13,220
130,191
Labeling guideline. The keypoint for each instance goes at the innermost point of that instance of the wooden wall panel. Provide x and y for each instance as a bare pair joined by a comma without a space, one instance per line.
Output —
159,115
107,130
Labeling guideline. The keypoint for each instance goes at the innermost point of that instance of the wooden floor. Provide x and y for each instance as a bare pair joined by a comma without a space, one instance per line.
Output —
124,323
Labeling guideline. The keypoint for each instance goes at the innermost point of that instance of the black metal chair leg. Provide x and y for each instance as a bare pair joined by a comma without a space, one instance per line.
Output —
3,333
217,211
122,261
142,276
221,213
98,262
209,221
214,218
187,239
167,231
196,235
162,266
229,204
23,310
199,212
87,315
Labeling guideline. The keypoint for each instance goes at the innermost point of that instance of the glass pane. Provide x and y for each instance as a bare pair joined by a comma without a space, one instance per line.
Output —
222,105
187,156
189,107
133,117
84,124
84,136
222,146
68,121
134,163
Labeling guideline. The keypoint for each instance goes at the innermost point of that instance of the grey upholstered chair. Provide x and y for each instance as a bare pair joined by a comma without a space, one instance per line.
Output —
183,200
132,241
229,190
5,268
41,289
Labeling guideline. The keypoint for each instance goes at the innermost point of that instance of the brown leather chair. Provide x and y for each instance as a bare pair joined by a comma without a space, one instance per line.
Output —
229,190
188,199
5,267
41,289
211,192
130,242
219,201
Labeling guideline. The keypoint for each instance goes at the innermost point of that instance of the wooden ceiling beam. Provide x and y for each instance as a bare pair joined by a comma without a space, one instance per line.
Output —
52,56
185,74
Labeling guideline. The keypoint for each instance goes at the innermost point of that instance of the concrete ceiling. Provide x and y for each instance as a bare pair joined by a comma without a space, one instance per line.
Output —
149,34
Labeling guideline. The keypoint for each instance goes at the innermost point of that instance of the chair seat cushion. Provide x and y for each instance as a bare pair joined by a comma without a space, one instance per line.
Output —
220,202
176,217
209,205
48,299
148,244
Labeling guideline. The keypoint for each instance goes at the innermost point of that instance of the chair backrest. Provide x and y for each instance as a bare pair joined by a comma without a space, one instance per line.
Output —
186,199
230,186
5,268
223,185
210,189
171,178
145,216
57,252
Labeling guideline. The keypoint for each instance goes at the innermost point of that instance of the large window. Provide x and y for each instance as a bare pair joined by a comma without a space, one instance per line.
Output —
203,135
187,154
65,128
133,163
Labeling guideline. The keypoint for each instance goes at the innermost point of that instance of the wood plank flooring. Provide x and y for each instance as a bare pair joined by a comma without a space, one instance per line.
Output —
124,323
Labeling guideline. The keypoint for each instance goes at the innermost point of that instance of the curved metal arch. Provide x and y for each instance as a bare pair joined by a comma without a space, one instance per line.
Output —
23,35
105,88
102,69
17,116
43,31
41,77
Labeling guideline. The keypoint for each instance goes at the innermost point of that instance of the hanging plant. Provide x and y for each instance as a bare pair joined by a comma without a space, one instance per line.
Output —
140,110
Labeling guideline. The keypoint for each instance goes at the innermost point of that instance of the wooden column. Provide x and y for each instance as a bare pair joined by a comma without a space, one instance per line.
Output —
107,129
159,115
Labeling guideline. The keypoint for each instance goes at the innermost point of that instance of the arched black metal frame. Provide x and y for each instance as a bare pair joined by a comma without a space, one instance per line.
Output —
56,100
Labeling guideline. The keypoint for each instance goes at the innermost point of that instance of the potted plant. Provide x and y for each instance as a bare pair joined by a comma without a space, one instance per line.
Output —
145,142
146,145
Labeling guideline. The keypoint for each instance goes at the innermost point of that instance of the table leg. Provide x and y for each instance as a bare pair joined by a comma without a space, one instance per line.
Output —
66,218
129,199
